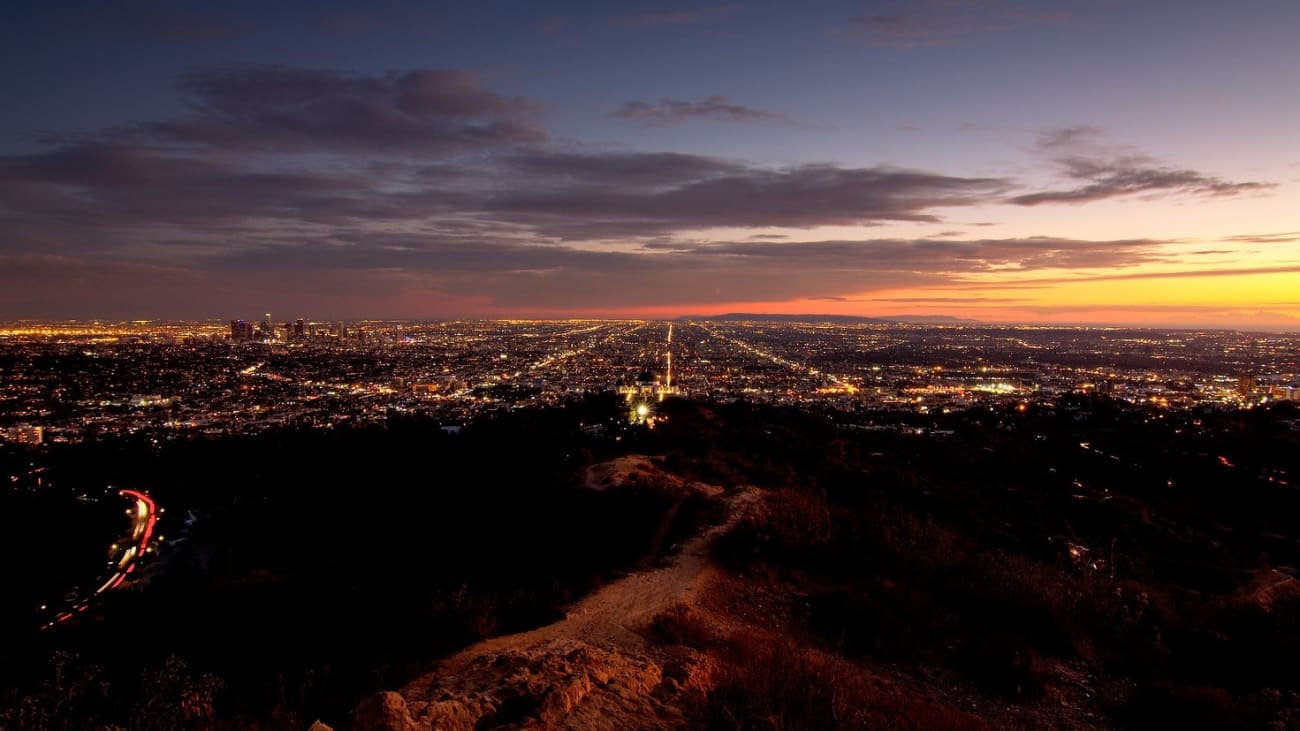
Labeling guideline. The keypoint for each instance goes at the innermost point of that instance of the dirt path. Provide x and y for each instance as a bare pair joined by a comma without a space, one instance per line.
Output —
613,613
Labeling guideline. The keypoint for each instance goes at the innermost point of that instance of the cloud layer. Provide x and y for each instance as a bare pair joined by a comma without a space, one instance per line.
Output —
675,111
1100,171
399,191
284,110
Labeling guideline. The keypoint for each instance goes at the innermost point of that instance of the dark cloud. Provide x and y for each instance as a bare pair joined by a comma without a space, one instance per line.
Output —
384,191
626,170
1103,171
675,111
679,17
52,285
518,274
290,110
369,267
725,196
948,300
929,255
97,184
941,22
547,195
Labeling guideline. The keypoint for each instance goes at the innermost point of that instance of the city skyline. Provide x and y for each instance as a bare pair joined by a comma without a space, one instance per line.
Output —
1084,162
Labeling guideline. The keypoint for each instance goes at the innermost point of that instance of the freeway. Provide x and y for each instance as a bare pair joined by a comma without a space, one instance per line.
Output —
144,514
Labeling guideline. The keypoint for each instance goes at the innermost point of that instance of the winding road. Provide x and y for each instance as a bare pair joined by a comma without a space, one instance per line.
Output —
142,529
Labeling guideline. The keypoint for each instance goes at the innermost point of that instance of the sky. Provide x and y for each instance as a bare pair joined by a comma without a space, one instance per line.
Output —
1111,162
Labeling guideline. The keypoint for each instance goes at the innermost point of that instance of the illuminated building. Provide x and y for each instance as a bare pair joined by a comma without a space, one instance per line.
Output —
26,434
241,330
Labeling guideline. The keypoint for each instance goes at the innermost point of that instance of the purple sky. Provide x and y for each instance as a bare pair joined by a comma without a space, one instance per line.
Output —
1072,161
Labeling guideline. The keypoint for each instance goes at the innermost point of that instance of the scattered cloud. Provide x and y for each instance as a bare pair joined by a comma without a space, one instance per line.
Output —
302,185
1128,276
675,111
708,193
544,193
639,170
1100,171
933,256
281,109
1279,238
517,274
948,300
678,17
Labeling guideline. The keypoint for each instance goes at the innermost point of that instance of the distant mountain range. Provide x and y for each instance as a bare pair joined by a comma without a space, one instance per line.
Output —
835,319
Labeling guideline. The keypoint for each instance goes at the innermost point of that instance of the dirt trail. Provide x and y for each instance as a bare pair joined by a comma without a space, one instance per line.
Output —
611,616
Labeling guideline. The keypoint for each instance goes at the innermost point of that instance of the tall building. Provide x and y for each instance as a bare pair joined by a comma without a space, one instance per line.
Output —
1246,385
241,330
299,329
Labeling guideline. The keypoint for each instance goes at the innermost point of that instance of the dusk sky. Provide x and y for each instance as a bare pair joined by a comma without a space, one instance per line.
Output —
1078,161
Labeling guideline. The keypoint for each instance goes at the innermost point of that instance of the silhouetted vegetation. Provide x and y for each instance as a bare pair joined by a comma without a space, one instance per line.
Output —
1139,561
770,683
1151,549
323,565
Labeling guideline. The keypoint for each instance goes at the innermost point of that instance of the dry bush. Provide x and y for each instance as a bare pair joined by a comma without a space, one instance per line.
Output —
769,683
788,527
680,624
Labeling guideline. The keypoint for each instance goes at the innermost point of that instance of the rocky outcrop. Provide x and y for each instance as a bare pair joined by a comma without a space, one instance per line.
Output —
591,670
385,711
559,684
634,469
1269,589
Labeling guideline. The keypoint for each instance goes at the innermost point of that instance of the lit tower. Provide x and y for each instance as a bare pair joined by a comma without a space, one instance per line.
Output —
669,381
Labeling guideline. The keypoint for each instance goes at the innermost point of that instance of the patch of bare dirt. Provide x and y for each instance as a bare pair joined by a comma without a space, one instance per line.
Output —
592,669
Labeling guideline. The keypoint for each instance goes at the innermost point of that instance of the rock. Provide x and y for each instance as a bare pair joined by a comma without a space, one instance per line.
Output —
1270,588
559,684
383,712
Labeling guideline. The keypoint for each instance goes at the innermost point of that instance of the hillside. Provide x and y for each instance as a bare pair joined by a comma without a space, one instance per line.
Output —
875,579
1079,564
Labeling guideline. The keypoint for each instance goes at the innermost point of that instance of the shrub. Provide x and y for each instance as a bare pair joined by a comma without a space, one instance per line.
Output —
789,527
682,625
773,684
